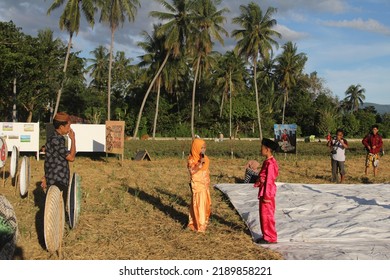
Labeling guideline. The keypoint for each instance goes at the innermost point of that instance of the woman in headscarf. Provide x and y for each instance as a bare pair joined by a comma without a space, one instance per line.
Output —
198,167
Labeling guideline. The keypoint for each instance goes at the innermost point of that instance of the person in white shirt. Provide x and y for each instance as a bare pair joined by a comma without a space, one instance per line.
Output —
337,147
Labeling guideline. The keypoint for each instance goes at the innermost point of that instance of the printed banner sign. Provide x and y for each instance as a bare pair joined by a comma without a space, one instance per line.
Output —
286,137
115,137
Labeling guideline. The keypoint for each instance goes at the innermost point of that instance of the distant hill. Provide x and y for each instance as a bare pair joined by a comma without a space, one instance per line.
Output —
381,109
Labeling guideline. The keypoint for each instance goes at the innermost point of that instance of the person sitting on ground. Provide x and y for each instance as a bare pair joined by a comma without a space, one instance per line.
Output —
251,171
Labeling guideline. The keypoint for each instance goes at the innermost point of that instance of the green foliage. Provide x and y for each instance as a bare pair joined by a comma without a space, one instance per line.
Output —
328,120
366,119
36,64
384,126
351,125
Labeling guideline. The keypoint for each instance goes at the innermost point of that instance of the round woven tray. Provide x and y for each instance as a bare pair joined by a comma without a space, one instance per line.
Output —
24,176
54,219
14,161
7,213
74,200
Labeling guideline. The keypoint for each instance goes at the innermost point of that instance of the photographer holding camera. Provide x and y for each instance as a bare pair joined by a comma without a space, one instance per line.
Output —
337,147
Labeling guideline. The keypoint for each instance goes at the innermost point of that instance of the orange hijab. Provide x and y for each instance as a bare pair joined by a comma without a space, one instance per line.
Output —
196,148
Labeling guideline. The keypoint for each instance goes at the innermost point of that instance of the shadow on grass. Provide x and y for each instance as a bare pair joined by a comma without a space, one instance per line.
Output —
323,177
39,201
174,197
214,217
18,254
168,210
176,215
4,175
239,180
232,225
96,156
366,180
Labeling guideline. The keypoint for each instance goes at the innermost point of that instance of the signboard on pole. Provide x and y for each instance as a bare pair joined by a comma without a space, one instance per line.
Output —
115,137
286,137
25,136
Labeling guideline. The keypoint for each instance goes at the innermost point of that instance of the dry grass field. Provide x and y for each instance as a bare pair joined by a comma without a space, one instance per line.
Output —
138,210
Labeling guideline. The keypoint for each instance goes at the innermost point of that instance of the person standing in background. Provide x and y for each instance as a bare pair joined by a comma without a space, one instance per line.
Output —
373,143
337,147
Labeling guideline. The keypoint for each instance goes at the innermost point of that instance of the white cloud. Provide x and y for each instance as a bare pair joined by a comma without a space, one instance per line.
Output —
332,6
374,79
369,25
289,34
335,6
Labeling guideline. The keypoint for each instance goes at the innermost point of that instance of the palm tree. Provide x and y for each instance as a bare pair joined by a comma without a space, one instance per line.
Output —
70,20
230,78
290,67
207,23
98,68
266,79
114,13
175,31
50,55
122,72
121,69
328,119
354,97
175,73
154,56
256,39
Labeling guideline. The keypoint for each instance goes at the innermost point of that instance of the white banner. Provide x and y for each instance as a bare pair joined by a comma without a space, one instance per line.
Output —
89,137
25,136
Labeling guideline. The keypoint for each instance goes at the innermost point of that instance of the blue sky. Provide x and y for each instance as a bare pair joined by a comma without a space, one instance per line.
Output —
346,42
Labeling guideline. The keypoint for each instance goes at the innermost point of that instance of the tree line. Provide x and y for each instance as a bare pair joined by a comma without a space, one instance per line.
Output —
181,86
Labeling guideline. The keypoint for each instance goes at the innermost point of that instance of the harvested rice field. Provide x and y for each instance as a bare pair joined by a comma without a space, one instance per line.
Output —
138,210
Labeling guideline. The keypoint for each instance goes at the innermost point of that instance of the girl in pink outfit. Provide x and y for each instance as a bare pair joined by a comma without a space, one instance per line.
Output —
267,191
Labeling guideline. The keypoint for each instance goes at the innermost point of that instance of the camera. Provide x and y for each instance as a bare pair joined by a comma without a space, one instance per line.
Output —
333,152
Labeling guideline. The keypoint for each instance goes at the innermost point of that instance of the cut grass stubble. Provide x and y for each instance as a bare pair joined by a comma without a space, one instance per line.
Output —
139,210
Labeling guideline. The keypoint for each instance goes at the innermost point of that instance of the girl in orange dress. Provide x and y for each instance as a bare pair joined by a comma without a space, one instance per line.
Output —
198,167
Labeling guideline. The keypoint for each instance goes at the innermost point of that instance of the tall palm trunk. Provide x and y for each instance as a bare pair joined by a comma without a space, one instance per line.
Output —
221,107
284,104
14,105
64,77
147,94
109,75
178,106
157,104
257,98
230,111
193,98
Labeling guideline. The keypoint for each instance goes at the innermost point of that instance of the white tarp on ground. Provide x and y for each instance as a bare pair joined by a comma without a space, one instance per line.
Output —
322,222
